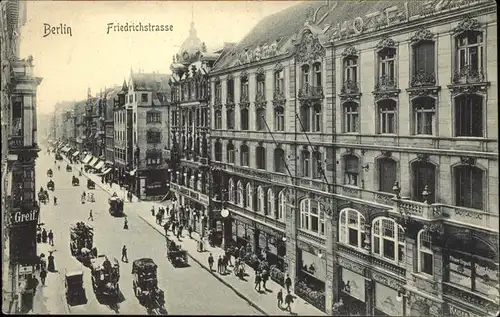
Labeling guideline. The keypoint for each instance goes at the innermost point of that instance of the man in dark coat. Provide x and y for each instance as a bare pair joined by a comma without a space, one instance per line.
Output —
288,283
288,301
211,262
51,238
257,281
279,297
44,236
43,275
219,264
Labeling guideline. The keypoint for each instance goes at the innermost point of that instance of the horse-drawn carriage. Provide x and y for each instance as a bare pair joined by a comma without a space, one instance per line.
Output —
42,196
59,156
49,173
115,205
74,286
90,184
75,181
175,254
68,168
105,276
50,185
81,242
145,284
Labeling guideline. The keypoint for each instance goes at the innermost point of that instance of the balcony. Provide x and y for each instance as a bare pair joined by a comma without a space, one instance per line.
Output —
386,87
309,92
469,217
278,98
417,209
423,83
350,90
461,294
16,142
468,75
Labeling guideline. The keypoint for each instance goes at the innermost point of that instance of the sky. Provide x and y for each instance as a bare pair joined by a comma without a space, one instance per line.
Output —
91,57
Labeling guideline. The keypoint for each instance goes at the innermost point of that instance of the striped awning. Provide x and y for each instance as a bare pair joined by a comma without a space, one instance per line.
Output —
93,161
87,159
76,153
99,165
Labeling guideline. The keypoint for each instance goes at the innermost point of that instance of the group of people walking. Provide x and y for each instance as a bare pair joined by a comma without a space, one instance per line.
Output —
43,237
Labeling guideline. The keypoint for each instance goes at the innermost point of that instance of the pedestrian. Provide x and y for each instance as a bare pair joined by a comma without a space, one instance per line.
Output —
165,227
91,217
288,301
43,275
44,236
228,255
51,238
153,210
288,283
279,297
190,231
51,267
124,254
173,226
219,264
200,245
211,262
125,225
224,264
55,200
181,227
265,278
257,281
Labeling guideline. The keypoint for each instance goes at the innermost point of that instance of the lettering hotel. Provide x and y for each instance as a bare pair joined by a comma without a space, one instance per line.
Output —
359,160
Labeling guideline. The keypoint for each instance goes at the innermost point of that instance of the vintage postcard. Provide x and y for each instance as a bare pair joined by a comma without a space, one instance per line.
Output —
245,158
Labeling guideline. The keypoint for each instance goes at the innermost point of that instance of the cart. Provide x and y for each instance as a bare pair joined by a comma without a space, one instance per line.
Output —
59,156
90,184
105,276
81,243
175,254
49,172
145,284
75,181
74,286
50,185
115,206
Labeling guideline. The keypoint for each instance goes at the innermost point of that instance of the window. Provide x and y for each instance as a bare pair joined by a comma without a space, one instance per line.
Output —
154,137
239,194
317,169
281,205
244,88
351,69
135,117
317,75
279,119
387,59
218,119
270,203
230,119
423,57
218,91
244,119
153,158
260,154
423,115
352,228
249,196
312,217
425,255
306,163
245,158
153,117
231,153
387,117
305,76
231,190
230,90
351,117
279,160
144,97
305,117
261,200
470,51
261,119
387,174
388,239
351,170
469,187
218,151
279,86
261,84
317,118
469,116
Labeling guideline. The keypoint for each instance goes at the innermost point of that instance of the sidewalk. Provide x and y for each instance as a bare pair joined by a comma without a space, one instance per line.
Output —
265,302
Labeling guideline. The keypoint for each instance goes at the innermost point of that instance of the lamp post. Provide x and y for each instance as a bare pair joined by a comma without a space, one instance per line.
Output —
224,214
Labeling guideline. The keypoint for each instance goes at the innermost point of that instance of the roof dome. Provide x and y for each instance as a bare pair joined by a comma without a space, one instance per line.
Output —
191,46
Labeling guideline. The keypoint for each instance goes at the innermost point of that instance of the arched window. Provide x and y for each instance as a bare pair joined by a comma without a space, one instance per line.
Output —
239,194
279,160
350,71
230,153
425,254
352,228
468,186
249,196
218,151
245,156
469,52
317,118
351,170
281,205
387,110
271,203
312,217
231,190
388,239
351,117
305,75
261,200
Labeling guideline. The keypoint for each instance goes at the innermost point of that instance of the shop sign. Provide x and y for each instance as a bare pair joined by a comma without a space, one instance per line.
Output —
203,199
21,217
260,52
394,15
267,229
353,284
25,269
243,219
193,195
385,300
455,311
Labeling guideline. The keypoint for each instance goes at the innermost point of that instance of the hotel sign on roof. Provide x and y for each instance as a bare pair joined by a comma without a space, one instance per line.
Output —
395,15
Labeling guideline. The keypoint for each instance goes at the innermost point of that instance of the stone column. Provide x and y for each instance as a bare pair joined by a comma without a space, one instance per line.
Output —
369,295
332,270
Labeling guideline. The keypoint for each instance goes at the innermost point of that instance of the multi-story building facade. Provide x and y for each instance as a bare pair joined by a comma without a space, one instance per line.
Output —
188,149
80,137
20,213
375,159
111,100
122,148
147,101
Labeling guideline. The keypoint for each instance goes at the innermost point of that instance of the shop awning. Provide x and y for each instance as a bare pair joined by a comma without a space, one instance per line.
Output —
87,159
76,153
65,149
132,173
93,161
106,171
99,165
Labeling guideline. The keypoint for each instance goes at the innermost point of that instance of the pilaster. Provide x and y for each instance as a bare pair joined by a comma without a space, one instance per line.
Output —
291,237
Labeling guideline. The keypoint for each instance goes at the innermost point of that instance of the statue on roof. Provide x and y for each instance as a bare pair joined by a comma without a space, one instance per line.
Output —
203,47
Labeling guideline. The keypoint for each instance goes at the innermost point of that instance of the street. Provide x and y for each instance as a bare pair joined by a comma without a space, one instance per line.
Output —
189,290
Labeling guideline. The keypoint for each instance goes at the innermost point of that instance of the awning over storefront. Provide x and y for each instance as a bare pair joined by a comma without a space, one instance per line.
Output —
93,161
99,165
106,171
87,159
76,153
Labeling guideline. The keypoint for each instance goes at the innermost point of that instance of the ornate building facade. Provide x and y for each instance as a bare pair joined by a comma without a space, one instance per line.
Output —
361,161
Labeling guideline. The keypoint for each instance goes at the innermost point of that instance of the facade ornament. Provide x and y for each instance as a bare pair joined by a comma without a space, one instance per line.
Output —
421,35
352,266
386,153
467,160
381,95
278,67
230,77
423,91
350,51
349,151
244,74
260,71
350,97
309,49
481,87
423,157
327,204
385,43
467,25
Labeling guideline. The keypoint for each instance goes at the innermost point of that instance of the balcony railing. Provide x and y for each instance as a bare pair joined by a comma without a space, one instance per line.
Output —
278,95
386,82
423,78
16,142
468,75
311,92
415,208
350,87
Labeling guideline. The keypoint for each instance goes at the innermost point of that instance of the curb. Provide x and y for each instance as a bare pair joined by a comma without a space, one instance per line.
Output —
214,275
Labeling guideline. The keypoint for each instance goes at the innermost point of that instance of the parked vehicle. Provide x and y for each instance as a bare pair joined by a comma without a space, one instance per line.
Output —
49,173
68,168
75,181
175,254
145,283
59,156
105,276
115,206
74,285
90,184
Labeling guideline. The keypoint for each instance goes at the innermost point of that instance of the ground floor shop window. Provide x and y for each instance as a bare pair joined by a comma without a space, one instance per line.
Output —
311,274
386,302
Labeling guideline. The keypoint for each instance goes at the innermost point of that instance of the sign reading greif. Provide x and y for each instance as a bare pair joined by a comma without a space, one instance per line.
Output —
24,217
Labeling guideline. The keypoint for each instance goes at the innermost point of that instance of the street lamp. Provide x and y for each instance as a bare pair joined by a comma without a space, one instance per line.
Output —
224,214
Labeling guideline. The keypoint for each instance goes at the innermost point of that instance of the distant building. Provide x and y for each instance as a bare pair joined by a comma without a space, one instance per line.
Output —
111,99
120,143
